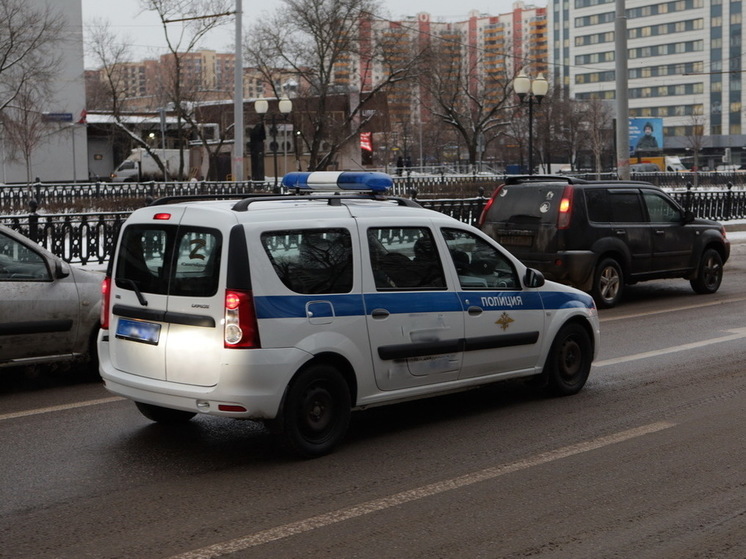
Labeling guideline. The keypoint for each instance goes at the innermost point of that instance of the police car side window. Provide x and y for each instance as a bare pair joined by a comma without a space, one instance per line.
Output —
479,264
405,258
311,261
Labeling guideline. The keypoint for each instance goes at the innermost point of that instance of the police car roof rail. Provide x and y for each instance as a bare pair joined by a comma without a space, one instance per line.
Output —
203,197
331,199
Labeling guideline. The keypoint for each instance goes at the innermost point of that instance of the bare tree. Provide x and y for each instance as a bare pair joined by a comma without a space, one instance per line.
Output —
599,115
312,39
24,125
696,140
462,96
185,23
28,48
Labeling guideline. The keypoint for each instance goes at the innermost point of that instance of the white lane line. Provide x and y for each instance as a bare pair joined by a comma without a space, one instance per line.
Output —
377,505
736,334
61,407
673,309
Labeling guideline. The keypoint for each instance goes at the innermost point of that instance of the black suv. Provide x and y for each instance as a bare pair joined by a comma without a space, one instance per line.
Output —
600,235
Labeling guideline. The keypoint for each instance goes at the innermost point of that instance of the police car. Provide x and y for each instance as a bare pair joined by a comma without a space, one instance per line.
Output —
298,309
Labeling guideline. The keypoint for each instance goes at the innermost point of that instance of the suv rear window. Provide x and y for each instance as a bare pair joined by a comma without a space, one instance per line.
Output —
170,260
529,203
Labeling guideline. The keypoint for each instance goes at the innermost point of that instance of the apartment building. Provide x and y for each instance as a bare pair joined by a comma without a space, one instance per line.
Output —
684,60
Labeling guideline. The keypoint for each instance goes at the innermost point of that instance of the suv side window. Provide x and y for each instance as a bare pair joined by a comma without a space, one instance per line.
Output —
405,258
597,201
311,261
479,264
19,263
625,207
661,209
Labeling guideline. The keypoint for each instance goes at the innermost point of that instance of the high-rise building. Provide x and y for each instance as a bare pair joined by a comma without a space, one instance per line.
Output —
684,59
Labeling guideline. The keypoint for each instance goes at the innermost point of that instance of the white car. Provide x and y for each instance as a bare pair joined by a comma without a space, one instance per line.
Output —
298,309
49,310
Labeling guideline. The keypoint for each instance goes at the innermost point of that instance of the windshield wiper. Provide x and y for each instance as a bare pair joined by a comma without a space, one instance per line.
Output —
136,289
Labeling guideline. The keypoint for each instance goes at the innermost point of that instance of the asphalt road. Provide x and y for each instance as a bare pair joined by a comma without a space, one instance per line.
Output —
646,462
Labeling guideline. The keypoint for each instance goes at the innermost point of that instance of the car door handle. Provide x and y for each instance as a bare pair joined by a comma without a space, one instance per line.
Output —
475,311
660,232
621,231
379,313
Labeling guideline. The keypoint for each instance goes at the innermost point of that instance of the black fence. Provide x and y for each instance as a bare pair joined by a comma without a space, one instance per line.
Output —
130,195
89,238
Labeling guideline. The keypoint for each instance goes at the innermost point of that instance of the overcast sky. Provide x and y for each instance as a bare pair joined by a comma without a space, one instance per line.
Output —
145,33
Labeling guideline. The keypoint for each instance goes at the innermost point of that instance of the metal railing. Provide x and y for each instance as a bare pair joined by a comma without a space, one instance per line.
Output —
90,237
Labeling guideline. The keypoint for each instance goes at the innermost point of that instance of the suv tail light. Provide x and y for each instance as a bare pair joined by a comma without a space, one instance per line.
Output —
105,302
241,329
487,206
565,209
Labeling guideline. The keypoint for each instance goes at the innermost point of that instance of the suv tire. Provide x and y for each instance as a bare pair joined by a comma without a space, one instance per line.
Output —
316,412
608,283
709,273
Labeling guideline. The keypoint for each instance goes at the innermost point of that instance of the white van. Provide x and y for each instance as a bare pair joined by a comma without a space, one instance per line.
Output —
298,309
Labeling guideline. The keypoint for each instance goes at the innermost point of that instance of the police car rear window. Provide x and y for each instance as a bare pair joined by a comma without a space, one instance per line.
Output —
311,261
170,260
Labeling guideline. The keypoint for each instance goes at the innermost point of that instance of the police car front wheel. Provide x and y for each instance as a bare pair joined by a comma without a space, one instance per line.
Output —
569,361
316,412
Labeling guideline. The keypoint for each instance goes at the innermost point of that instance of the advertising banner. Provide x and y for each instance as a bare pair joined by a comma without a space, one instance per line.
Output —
645,134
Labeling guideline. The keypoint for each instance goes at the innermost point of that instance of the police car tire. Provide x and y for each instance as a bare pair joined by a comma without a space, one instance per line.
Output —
316,412
709,273
569,361
164,415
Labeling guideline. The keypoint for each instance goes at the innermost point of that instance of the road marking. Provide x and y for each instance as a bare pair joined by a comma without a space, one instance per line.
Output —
377,505
736,334
60,408
674,309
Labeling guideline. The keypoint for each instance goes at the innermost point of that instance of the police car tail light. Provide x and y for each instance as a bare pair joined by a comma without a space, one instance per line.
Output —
105,302
565,208
487,206
241,330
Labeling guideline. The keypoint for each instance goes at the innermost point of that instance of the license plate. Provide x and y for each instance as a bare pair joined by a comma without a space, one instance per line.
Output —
138,331
516,240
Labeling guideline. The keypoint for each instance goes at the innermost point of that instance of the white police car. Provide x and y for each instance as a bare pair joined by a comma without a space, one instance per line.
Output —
298,309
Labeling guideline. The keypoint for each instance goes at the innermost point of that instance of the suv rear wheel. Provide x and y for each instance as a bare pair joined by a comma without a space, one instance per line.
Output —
608,283
709,273
316,412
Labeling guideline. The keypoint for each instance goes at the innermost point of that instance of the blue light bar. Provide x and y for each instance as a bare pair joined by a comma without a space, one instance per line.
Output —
338,180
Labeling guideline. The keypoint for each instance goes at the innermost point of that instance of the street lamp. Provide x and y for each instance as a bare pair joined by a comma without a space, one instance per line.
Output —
529,89
285,106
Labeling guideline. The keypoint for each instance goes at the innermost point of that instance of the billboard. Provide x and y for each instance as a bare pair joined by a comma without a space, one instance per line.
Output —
645,134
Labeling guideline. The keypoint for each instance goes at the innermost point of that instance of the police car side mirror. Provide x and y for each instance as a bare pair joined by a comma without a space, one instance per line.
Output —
533,278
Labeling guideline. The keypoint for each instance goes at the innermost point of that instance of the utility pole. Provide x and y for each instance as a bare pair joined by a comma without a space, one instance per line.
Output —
622,101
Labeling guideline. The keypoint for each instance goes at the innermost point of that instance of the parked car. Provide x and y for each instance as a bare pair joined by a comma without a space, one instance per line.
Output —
49,310
599,236
298,309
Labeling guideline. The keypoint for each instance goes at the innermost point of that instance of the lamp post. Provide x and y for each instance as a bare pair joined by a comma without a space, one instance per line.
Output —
531,90
285,106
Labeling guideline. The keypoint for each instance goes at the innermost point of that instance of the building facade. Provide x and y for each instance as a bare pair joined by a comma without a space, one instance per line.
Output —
684,65
61,152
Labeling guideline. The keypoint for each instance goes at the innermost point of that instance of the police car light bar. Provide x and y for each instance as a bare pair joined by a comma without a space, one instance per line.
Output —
338,181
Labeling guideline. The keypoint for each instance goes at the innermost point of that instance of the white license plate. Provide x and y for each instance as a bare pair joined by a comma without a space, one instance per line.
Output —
138,331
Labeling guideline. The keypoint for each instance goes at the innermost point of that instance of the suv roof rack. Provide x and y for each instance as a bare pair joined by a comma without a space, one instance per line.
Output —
521,179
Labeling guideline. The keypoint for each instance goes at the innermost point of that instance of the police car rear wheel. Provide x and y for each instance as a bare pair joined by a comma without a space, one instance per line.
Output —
164,415
316,414
569,361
